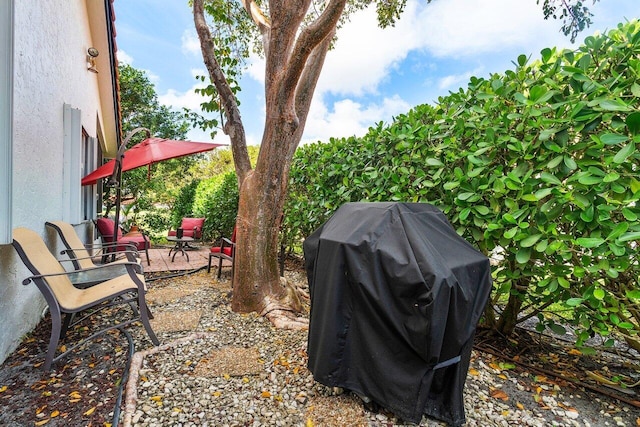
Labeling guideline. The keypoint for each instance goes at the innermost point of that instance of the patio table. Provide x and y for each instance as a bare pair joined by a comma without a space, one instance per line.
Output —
180,243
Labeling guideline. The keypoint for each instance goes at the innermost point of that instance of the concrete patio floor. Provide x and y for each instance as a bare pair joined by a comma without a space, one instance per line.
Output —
198,257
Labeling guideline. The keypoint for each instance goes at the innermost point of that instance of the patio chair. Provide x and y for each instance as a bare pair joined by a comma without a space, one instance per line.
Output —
106,227
191,227
62,297
226,250
78,252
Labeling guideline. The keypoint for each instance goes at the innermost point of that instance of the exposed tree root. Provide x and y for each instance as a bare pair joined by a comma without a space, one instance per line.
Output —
282,314
284,319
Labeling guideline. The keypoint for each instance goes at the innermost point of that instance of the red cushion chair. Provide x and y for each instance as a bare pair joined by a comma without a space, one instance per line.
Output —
191,227
226,250
141,242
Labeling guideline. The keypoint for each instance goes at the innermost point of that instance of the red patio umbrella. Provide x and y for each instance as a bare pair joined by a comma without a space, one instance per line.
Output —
147,152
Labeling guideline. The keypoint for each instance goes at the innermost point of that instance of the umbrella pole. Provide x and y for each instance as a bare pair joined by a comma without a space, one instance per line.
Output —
116,178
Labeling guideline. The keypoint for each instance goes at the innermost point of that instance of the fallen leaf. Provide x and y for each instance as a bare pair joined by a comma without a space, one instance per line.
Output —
520,406
497,393
156,398
41,423
226,376
216,393
568,408
63,348
40,409
75,395
575,352
55,414
3,388
74,400
473,372
90,411
245,380
309,422
266,394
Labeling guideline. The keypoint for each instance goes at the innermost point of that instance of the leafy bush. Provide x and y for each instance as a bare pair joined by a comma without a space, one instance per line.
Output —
216,199
183,205
537,166
155,221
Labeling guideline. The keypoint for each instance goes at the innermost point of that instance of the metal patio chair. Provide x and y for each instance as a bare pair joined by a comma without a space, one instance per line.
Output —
106,227
78,252
226,250
63,297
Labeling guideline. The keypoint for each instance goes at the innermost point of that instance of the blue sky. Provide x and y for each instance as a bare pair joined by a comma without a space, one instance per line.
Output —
373,74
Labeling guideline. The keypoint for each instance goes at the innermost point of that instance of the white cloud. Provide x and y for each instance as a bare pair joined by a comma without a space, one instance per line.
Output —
190,43
457,28
365,54
187,99
454,81
124,58
349,117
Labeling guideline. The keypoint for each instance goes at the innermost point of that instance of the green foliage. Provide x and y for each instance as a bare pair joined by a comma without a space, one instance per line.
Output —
183,204
155,222
537,167
216,199
574,14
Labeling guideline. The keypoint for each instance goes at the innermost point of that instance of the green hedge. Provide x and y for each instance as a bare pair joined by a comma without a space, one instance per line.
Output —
216,199
537,167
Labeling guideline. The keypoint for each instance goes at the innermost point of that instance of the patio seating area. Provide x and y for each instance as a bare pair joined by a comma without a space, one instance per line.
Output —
198,258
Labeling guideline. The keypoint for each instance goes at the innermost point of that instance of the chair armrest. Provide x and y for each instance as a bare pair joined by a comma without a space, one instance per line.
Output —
99,252
102,246
132,257
130,266
227,242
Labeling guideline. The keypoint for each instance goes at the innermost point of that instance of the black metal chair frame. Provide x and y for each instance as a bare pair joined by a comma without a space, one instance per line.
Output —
222,256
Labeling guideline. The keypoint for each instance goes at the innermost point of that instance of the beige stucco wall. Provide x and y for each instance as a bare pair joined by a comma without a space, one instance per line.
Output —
51,38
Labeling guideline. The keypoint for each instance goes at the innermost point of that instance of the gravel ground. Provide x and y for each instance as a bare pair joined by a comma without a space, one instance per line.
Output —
219,368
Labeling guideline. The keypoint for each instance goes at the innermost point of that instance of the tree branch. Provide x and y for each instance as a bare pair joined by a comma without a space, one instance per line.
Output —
307,85
312,41
261,20
234,127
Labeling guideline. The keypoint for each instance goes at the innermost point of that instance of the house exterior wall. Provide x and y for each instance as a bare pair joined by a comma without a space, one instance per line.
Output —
51,38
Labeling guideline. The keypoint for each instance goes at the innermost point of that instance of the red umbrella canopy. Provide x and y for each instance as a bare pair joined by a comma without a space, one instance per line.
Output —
147,152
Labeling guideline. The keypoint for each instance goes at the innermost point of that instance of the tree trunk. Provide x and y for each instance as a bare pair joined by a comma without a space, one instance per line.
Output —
509,317
256,286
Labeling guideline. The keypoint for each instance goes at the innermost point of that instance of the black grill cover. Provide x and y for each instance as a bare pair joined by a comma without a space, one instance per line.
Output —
395,298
